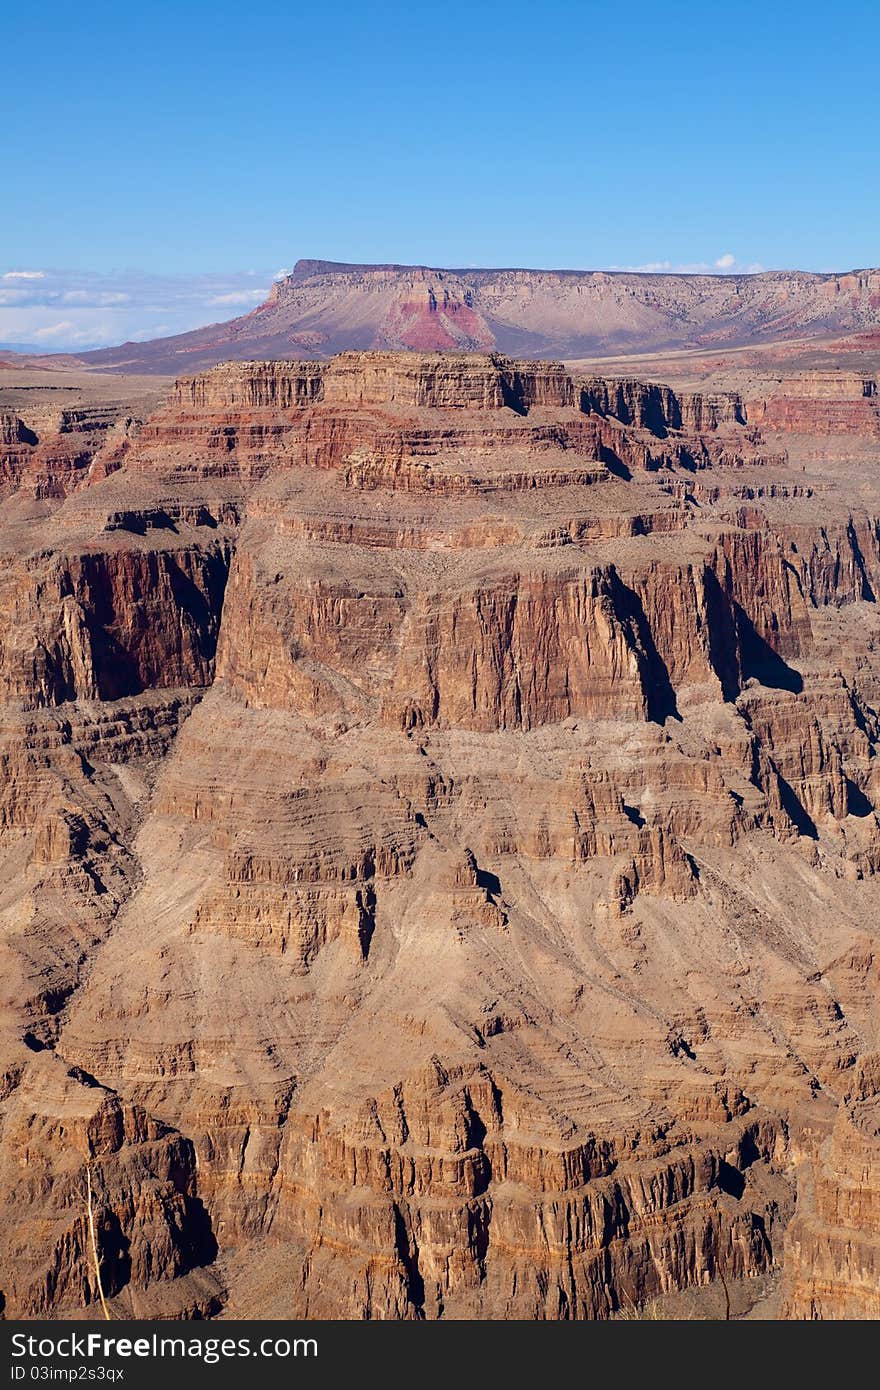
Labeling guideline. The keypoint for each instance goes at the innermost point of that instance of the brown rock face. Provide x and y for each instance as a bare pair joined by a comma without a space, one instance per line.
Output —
820,403
831,1264
440,845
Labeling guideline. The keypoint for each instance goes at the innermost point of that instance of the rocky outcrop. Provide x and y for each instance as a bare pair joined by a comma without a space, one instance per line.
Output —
410,423
658,408
14,431
279,385
69,1143
818,404
101,625
833,1241
55,450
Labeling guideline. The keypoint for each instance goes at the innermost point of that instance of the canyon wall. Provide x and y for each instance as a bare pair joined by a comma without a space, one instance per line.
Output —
819,403
440,837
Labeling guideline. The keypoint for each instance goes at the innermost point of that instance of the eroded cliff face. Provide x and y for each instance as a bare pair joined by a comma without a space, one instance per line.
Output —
440,843
820,403
831,1262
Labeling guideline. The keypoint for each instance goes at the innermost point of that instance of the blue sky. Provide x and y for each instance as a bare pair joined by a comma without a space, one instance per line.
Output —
179,153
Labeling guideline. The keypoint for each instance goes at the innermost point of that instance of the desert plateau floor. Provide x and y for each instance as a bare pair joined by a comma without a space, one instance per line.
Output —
439,840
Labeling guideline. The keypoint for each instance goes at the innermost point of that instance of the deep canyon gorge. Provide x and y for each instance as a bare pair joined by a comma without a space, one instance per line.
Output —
439,840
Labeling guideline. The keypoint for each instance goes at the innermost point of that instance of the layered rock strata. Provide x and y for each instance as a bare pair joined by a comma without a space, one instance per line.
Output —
439,824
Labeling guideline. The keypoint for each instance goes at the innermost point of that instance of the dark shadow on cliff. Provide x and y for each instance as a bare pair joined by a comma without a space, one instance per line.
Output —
201,1243
488,881
512,396
615,465
659,691
139,523
796,812
731,1180
115,1257
408,1255
867,591
722,636
117,673
760,662
857,804
203,608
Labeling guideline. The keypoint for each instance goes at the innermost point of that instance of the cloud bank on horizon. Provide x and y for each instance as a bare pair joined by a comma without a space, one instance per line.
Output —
70,311
724,265
65,310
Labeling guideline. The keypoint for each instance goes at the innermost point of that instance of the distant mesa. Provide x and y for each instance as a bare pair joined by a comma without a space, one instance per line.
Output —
324,307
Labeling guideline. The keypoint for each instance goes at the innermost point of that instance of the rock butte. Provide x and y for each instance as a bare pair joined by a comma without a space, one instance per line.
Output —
439,843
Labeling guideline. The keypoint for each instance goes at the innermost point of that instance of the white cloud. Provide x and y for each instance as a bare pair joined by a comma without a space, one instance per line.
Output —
238,297
67,334
282,273
66,329
95,298
71,309
143,335
722,266
666,268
